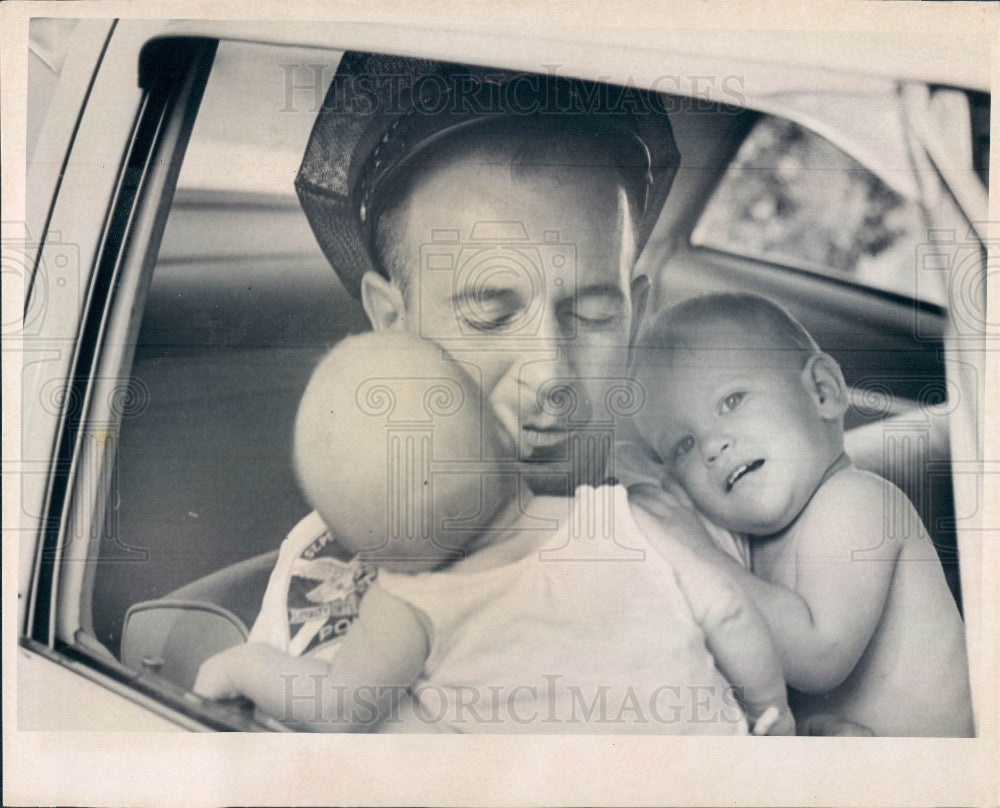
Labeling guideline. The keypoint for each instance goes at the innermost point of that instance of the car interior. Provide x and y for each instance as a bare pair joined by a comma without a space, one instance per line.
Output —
242,304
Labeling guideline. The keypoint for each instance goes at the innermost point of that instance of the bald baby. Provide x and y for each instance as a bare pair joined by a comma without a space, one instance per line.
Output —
747,413
396,451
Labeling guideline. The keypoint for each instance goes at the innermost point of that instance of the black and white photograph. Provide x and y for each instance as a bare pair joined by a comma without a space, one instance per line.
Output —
549,373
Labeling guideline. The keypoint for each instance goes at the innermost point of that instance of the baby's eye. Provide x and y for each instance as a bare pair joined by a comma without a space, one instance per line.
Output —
732,401
683,446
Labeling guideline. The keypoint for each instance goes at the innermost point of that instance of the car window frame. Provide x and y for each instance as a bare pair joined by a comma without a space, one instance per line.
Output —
172,73
122,237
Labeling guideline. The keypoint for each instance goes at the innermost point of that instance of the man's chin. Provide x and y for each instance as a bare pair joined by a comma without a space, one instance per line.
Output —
556,454
551,482
555,471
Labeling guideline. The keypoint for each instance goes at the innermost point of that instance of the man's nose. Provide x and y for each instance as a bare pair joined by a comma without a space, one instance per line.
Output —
549,385
549,378
715,446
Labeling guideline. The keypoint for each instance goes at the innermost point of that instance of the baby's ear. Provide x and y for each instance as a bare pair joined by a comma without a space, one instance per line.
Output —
825,383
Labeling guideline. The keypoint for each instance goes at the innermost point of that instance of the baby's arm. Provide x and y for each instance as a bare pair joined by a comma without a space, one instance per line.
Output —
381,656
843,568
741,643
825,613
735,633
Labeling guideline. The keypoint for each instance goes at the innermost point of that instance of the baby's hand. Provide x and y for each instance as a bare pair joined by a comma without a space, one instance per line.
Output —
673,511
215,678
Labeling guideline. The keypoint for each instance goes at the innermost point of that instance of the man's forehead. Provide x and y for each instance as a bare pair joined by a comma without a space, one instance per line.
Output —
496,231
542,196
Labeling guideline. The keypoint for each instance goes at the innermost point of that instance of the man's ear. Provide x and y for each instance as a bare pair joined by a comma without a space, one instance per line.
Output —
825,382
640,296
383,303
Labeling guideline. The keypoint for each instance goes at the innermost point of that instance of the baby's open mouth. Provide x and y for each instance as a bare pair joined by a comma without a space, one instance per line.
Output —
741,471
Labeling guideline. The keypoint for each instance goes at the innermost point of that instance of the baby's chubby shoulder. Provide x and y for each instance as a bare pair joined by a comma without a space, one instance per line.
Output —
854,487
857,500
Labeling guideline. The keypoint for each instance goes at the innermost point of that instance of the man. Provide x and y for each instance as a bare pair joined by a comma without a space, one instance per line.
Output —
543,311
499,216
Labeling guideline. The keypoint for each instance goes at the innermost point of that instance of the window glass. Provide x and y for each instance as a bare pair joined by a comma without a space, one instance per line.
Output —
240,307
791,197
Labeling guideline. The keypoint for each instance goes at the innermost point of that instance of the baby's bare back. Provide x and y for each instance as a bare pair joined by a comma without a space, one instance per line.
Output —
912,677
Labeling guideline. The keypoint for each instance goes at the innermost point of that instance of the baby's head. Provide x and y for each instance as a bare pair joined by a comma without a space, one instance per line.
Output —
742,407
395,450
